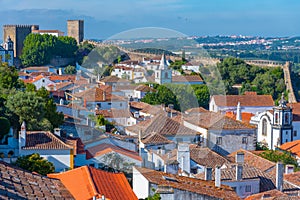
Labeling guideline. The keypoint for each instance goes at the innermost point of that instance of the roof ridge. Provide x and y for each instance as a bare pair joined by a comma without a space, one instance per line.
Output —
59,139
91,180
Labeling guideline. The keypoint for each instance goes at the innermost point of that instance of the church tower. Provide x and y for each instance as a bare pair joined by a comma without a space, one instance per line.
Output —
163,74
282,128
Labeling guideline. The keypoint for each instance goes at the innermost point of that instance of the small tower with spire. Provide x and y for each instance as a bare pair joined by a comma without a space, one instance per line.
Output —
9,54
282,123
163,74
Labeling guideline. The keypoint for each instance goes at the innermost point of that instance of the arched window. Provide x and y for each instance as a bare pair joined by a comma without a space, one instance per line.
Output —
157,75
276,118
264,127
286,118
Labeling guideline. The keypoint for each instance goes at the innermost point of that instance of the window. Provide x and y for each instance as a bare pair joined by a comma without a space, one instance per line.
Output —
295,133
121,104
219,141
264,127
248,188
286,133
157,75
286,118
244,140
43,80
276,118
166,74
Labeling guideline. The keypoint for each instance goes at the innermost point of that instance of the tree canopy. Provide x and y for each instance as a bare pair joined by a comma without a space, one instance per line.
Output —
70,69
35,163
182,97
39,49
4,127
253,78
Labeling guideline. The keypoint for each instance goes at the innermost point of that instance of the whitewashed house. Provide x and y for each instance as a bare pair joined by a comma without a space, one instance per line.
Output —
50,146
249,102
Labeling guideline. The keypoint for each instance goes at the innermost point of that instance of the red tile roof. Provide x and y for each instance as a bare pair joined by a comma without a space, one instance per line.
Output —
293,178
245,100
144,88
104,148
86,182
94,95
296,111
256,161
190,79
246,116
156,139
44,140
167,127
269,195
196,110
16,183
206,157
201,187
217,121
293,147
113,79
114,113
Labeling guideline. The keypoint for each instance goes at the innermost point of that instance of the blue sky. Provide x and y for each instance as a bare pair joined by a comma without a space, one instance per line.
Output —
104,18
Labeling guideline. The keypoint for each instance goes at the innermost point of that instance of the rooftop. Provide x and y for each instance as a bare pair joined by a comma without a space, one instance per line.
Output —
201,187
245,100
90,182
17,183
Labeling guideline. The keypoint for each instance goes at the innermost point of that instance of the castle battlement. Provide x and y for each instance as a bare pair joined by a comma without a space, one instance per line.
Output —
20,25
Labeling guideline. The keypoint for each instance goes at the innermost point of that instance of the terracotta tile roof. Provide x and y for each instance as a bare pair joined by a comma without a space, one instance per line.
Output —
20,73
206,157
196,110
62,85
245,100
139,105
246,116
104,148
114,113
93,95
39,77
217,121
269,195
167,127
16,183
256,161
62,77
202,187
44,140
296,111
152,110
144,88
124,68
267,181
130,62
156,139
92,182
190,79
77,144
293,147
293,178
142,125
35,74
113,79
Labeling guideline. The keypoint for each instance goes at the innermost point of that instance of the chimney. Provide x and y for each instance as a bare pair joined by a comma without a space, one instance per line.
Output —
61,102
239,172
57,131
104,96
279,176
208,174
239,157
218,176
103,197
238,112
59,71
165,168
84,103
22,136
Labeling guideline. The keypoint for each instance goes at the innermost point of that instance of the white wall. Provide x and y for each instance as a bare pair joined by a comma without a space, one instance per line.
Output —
60,158
140,185
241,186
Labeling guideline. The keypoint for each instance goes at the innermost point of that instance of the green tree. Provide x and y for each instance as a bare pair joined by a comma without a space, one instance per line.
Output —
4,127
156,196
51,115
276,156
28,107
35,163
39,49
70,69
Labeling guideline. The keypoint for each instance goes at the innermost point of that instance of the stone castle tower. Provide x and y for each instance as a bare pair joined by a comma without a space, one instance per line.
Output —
76,29
18,33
